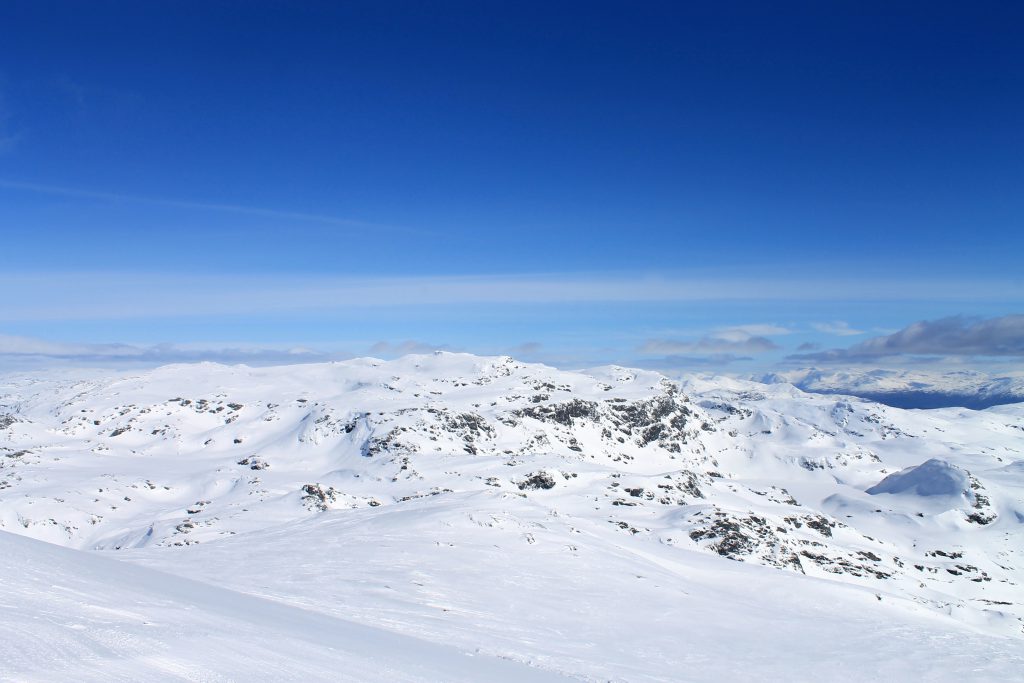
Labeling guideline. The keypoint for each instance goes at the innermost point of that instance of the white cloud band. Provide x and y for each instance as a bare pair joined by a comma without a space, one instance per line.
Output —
100,296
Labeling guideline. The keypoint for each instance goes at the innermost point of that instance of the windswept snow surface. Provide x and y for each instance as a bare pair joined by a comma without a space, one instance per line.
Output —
448,517
74,616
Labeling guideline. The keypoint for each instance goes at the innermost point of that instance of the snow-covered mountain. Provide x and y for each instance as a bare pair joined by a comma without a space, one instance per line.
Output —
606,525
910,388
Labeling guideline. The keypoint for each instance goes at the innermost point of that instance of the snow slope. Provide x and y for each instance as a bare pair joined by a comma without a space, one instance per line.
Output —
931,478
70,615
608,525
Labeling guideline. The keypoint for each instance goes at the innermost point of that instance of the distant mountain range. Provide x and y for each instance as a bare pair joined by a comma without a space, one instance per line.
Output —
909,388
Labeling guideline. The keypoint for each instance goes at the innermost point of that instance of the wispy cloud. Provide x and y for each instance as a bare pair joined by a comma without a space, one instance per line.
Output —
708,345
764,330
740,333
953,336
200,205
125,295
838,328
21,351
675,362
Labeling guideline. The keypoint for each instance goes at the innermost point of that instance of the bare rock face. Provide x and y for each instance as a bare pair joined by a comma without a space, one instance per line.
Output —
536,481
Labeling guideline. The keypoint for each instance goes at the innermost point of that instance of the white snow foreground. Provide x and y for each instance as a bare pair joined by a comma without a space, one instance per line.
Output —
452,517
75,616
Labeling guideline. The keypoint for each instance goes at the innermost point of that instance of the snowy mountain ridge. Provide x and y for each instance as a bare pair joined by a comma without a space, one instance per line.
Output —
909,388
561,490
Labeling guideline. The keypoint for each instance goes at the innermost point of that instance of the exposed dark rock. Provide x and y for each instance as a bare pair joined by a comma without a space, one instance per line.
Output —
561,413
254,463
317,497
537,480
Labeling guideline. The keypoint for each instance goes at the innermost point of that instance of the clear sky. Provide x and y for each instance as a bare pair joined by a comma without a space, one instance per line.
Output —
682,185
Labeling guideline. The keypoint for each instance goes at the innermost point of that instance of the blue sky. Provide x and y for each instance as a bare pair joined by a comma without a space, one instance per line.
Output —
712,186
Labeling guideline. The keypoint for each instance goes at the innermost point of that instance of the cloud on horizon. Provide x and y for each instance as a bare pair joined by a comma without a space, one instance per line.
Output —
527,349
673,362
18,351
391,350
953,336
955,340
730,341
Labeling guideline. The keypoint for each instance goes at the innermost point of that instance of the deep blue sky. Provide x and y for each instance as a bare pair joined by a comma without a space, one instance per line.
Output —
296,146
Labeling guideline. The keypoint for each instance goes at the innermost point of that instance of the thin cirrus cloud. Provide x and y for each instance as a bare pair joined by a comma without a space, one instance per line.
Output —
200,205
838,328
126,295
740,333
709,345
952,336
726,344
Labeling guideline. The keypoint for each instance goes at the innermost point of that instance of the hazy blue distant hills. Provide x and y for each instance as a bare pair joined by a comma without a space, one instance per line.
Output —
910,389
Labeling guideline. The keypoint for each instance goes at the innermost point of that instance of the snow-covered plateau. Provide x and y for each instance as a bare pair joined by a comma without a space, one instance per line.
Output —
452,517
